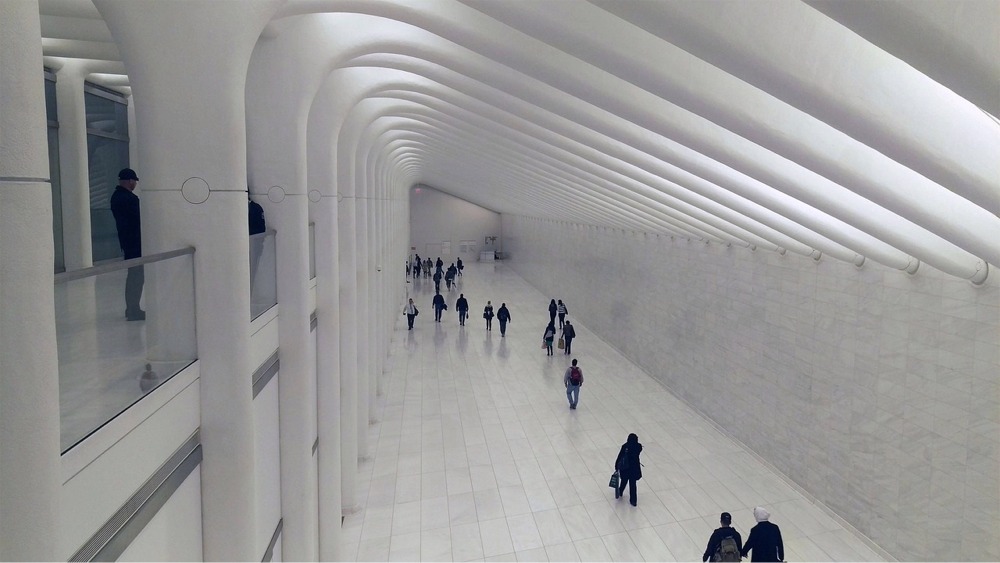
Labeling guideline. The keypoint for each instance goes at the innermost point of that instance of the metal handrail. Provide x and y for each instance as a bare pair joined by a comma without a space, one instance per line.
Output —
64,277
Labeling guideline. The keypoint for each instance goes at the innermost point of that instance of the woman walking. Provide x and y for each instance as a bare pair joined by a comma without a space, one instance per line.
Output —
552,311
548,336
628,467
488,315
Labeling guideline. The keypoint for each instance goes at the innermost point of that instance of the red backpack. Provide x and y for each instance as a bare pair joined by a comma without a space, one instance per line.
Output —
575,376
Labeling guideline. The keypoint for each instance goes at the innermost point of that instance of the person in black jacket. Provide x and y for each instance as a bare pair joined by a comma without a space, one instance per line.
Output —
439,305
764,540
437,281
488,315
568,334
125,208
503,315
628,467
462,305
552,311
715,542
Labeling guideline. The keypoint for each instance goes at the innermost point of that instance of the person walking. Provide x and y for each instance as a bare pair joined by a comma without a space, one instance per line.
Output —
410,310
437,281
449,276
439,264
503,315
562,310
628,467
573,380
488,315
765,539
548,336
553,308
725,543
125,208
462,305
461,267
428,266
416,267
439,305
568,334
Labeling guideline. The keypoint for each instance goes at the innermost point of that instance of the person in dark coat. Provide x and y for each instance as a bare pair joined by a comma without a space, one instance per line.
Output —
439,305
553,308
461,267
437,281
548,336
125,208
764,540
488,315
503,315
462,305
719,534
439,263
568,334
257,225
449,275
628,467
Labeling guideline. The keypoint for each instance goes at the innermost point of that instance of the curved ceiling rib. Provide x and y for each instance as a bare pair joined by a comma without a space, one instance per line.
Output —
717,121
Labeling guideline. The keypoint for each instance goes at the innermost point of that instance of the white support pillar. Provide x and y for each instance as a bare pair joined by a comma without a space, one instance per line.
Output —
328,400
364,316
74,165
347,231
29,371
194,185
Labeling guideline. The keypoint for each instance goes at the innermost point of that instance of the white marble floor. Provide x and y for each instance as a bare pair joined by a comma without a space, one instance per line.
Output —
477,456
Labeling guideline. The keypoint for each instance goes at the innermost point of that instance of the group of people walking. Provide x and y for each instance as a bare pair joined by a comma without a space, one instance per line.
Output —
567,332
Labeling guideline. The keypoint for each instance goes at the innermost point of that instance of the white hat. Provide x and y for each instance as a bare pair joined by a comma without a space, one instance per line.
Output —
760,514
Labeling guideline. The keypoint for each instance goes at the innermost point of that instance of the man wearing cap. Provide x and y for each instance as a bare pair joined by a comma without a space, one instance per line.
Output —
125,208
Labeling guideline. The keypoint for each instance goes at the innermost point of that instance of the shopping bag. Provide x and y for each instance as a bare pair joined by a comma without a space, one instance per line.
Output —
544,345
562,344
615,479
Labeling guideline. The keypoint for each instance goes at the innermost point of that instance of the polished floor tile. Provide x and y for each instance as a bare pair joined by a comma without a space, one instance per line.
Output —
477,456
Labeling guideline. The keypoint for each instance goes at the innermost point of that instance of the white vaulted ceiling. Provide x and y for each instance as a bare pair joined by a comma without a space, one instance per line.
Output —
853,130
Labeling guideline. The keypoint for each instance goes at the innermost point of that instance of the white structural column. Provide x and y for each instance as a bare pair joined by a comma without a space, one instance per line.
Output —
328,404
194,194
364,322
347,232
379,270
74,167
29,369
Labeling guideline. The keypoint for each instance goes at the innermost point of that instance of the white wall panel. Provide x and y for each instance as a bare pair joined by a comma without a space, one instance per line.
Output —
93,492
268,463
874,390
263,337
436,217
174,534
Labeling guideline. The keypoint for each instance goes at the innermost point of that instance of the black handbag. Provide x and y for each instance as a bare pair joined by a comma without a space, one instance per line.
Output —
615,480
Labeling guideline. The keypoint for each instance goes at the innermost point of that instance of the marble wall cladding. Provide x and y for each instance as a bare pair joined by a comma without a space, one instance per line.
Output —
876,391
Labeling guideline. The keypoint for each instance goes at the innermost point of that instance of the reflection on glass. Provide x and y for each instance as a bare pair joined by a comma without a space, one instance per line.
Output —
312,250
107,363
263,274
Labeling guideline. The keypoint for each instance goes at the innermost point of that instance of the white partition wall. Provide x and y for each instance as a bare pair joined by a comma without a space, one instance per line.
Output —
873,390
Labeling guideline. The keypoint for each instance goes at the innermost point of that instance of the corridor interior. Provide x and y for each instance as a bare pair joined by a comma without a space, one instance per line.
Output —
475,454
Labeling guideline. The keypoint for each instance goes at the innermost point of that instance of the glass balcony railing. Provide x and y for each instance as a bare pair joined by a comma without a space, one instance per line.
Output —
263,277
106,362
312,250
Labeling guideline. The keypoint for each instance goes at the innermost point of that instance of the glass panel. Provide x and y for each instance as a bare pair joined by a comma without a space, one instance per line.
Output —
57,219
107,363
105,157
312,250
50,101
106,115
263,274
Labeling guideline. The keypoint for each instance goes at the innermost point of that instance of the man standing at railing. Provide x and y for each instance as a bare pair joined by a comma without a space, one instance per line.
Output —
125,208
255,219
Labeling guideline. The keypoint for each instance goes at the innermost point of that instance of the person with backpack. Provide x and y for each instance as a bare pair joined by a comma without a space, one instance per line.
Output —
764,540
561,310
503,315
628,467
488,315
568,334
439,305
548,336
462,305
725,543
573,380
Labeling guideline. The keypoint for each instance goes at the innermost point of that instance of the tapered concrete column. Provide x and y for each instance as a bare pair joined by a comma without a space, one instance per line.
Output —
328,402
29,369
347,231
74,166
189,93
364,322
